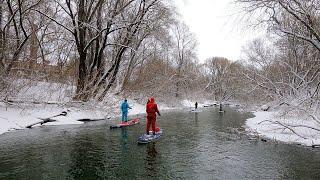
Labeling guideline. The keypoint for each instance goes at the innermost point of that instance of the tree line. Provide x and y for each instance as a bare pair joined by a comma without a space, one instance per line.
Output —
141,47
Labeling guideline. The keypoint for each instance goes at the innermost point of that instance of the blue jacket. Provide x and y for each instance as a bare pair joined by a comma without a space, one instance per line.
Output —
125,106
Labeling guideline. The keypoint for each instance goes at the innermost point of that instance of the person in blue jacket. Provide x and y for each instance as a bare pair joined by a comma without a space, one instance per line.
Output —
124,109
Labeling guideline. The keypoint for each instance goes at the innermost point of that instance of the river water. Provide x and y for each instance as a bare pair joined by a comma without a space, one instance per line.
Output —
200,145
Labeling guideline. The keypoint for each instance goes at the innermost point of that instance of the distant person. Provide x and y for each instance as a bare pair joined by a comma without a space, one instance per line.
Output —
220,108
124,109
196,105
152,109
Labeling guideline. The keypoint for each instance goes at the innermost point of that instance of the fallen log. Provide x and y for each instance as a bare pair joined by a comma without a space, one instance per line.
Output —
43,121
46,120
88,120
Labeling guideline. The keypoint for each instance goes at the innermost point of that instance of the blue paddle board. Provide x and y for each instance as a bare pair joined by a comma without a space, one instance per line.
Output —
146,138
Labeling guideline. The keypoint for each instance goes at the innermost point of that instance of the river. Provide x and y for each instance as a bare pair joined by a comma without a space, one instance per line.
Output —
200,145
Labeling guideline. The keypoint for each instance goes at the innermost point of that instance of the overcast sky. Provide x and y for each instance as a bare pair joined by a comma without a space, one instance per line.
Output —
217,26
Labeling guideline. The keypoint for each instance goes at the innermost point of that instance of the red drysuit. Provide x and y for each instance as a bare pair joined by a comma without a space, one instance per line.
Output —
152,109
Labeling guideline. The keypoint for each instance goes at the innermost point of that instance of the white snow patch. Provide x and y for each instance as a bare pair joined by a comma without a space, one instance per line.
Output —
141,109
260,124
28,90
18,118
188,103
191,104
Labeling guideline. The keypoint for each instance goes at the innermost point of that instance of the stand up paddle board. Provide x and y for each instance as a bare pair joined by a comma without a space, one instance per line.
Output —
195,110
128,123
146,138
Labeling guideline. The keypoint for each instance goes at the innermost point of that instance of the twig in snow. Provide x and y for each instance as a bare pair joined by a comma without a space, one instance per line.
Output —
285,126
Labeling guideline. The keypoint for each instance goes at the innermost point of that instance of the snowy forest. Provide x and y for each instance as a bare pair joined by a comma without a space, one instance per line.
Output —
89,49
140,48
98,47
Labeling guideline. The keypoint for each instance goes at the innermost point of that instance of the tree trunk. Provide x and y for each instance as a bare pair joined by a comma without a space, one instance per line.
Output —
1,41
80,36
82,74
34,46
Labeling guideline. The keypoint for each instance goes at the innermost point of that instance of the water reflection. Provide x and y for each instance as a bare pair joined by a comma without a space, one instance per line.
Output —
151,159
86,158
196,117
124,138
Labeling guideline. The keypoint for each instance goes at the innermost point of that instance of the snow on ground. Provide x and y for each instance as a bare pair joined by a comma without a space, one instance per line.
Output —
188,103
191,104
19,115
16,116
136,108
139,108
28,90
260,124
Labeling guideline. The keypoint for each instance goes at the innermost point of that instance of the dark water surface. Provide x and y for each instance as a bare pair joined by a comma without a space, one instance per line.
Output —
193,146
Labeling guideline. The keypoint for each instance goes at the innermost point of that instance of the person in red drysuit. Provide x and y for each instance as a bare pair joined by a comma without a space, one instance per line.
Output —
152,109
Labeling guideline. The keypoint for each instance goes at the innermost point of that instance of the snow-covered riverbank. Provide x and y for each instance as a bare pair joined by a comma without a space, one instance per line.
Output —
30,101
17,116
290,130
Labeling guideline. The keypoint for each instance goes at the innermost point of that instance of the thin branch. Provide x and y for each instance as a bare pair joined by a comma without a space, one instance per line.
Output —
285,126
54,20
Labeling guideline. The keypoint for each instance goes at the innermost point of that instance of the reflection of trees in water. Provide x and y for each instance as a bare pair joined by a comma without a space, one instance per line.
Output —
86,158
196,117
151,159
229,118
124,138
125,157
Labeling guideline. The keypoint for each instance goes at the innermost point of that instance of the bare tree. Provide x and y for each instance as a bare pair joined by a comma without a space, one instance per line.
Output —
294,69
101,27
296,18
184,44
16,15
223,76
